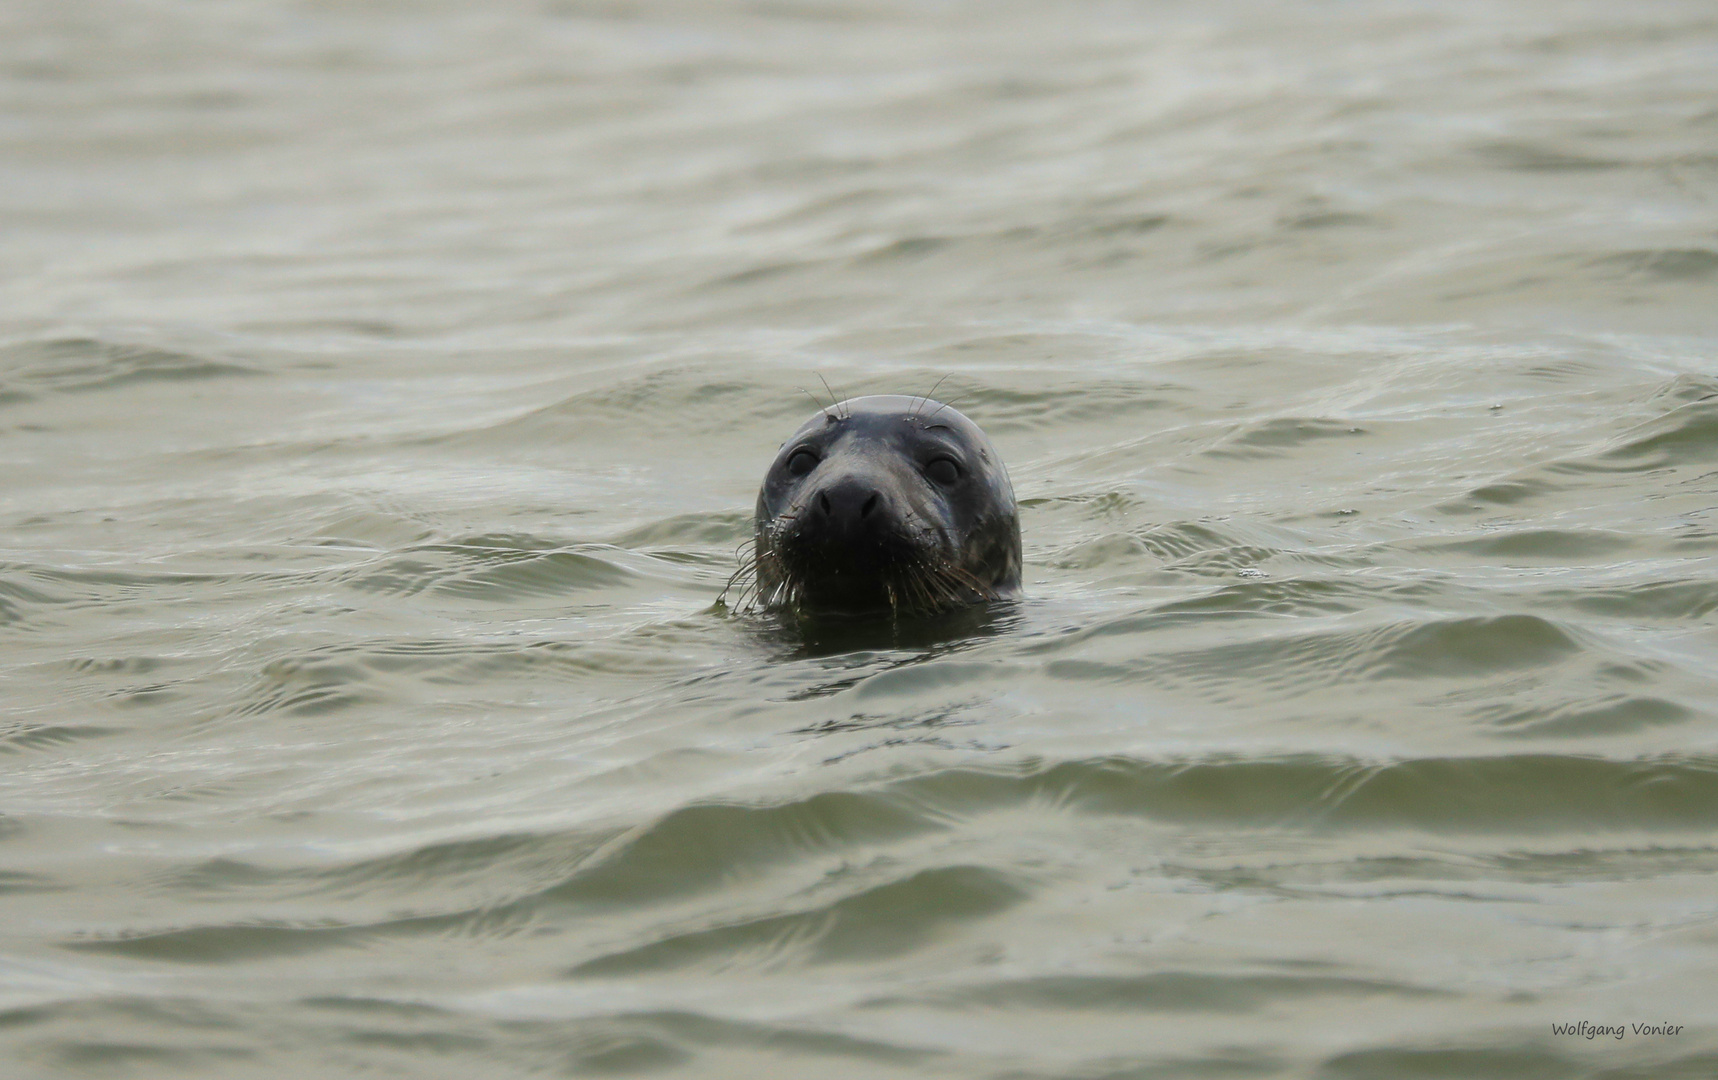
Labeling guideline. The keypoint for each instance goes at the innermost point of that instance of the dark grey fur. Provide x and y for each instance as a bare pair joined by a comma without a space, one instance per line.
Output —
883,505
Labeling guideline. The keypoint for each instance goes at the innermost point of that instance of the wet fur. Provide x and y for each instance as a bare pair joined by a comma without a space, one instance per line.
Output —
920,568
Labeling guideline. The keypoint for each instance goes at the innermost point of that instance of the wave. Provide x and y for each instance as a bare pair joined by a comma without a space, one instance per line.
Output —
30,369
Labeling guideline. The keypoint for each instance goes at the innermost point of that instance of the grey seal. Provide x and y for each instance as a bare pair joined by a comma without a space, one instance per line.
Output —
883,505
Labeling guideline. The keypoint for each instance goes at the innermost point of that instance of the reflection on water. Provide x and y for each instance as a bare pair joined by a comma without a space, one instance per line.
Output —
384,392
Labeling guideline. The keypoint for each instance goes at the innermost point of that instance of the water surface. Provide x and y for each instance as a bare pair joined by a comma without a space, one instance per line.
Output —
383,393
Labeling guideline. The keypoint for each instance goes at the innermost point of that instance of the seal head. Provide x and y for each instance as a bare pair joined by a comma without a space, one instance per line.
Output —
886,504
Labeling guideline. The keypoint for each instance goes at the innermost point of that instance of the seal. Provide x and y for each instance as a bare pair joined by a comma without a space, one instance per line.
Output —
884,505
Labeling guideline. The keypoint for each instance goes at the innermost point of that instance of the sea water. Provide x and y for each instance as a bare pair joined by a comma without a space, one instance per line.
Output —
384,390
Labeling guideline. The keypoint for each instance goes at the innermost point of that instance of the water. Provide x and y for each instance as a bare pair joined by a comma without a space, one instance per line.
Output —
383,393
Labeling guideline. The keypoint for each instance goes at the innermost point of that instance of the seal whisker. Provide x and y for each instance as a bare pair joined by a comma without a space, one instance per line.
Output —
965,577
937,593
834,402
949,405
821,407
926,399
914,588
948,582
744,579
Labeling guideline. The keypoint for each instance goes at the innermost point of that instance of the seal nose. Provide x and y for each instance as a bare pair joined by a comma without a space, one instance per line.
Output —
849,504
845,503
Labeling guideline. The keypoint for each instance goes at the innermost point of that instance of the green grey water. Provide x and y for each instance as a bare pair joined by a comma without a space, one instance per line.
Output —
384,389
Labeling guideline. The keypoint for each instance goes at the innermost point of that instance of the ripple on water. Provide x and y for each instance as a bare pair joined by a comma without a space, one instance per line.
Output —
698,848
1664,264
1296,596
1171,991
73,365
493,568
1049,403
1675,601
510,880
1682,431
1613,715
355,1034
1290,658
876,923
1514,492
1447,1063
1204,548
1687,435
332,677
861,913
688,531
495,869
696,392
1280,435
12,881
1561,546
1472,646
18,737
1526,792
25,590
1523,156
315,685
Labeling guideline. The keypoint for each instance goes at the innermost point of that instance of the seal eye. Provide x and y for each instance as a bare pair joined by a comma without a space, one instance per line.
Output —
802,462
943,470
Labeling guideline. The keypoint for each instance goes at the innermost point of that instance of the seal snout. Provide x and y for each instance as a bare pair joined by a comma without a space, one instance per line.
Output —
851,528
848,506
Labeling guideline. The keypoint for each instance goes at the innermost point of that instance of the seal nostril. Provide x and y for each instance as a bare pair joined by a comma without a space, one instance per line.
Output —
870,505
823,501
